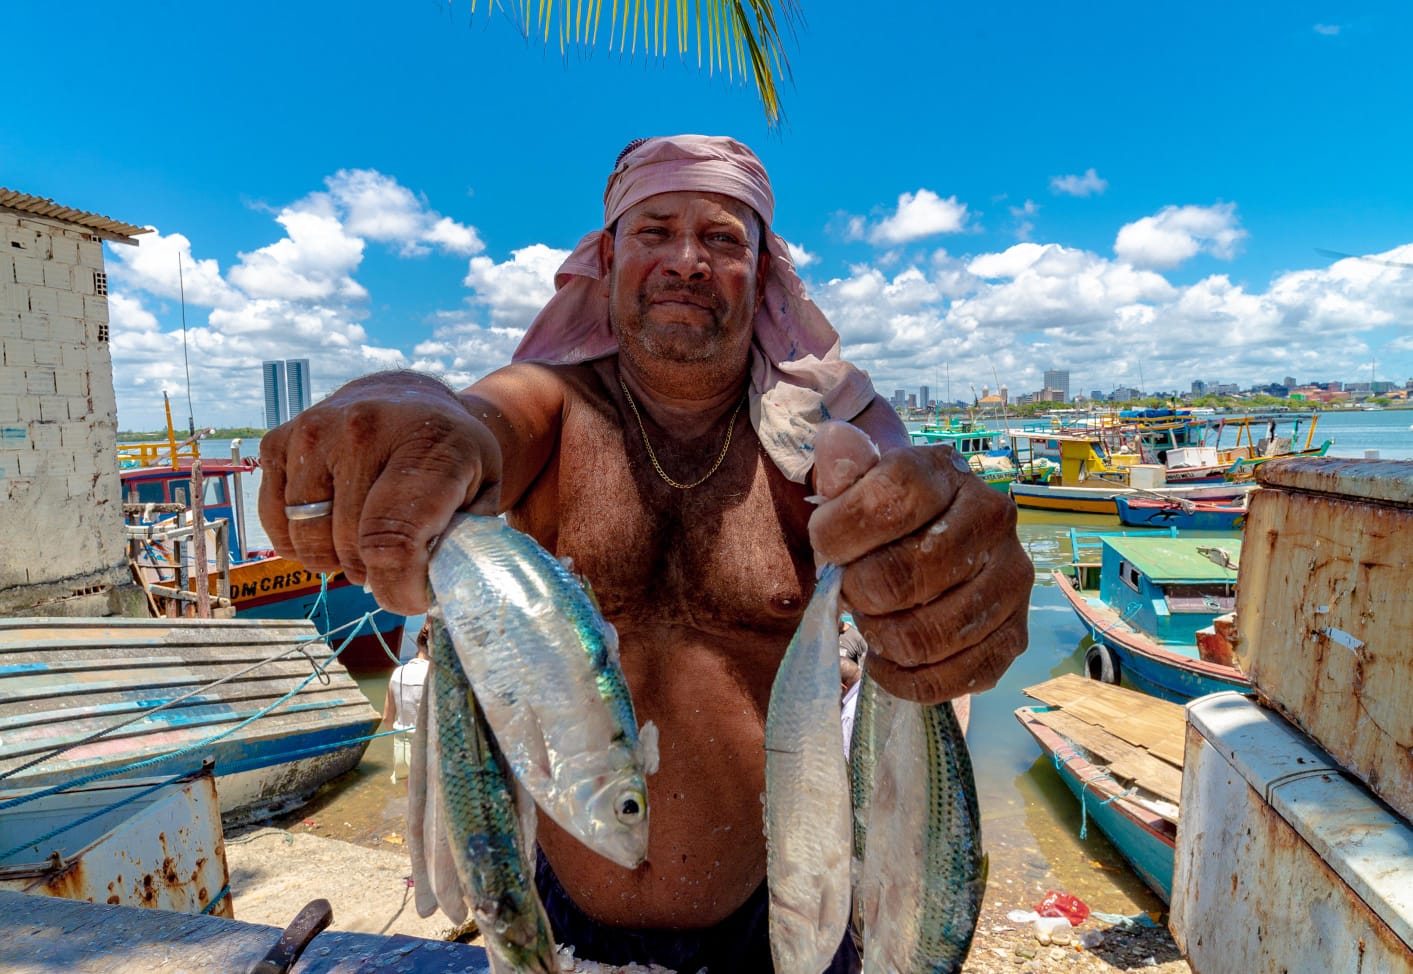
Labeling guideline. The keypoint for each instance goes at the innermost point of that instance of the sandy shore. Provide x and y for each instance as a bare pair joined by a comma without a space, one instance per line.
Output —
365,876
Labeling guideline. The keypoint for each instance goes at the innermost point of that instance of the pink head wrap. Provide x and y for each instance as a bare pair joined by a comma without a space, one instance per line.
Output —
797,378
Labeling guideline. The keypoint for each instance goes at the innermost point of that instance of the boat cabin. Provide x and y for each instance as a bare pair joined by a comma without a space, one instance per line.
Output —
1169,587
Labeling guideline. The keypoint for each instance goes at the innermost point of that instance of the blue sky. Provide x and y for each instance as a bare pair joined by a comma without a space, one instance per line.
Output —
1137,193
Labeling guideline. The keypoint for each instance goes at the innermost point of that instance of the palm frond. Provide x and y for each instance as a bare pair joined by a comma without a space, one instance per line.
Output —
736,36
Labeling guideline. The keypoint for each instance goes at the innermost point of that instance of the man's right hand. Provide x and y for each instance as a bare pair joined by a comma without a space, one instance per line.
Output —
398,454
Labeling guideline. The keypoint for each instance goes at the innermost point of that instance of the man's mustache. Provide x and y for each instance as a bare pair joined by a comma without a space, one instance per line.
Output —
701,293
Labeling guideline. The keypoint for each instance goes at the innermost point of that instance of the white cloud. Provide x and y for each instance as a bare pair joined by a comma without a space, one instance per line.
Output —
920,214
1089,184
800,256
517,289
1176,233
377,207
314,262
1327,30
297,297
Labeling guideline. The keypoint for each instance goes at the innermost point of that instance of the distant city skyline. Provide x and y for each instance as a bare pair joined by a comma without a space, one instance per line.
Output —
287,389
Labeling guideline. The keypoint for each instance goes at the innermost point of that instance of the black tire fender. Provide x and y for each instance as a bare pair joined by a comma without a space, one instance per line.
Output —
1100,664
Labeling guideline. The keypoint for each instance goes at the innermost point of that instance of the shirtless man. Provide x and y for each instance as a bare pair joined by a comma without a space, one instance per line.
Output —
621,437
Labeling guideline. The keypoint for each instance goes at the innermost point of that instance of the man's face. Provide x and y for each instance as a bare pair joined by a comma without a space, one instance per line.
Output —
685,272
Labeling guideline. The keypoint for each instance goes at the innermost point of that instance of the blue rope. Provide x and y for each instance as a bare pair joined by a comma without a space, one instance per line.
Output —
1129,610
221,894
1060,756
319,673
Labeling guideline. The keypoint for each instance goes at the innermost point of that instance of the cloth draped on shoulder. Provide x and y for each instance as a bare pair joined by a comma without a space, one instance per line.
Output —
798,379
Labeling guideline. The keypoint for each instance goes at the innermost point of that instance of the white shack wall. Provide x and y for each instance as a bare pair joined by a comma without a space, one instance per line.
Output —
62,547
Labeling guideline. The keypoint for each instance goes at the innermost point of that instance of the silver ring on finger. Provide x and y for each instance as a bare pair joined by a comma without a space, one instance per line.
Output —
309,512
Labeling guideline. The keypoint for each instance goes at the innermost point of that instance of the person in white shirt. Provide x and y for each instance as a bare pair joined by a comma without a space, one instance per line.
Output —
404,697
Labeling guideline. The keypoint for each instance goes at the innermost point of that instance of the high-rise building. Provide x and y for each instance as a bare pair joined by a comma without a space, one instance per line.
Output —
276,395
297,375
924,397
1059,380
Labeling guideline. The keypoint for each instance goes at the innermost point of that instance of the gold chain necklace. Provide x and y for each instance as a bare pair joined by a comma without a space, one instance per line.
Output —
652,457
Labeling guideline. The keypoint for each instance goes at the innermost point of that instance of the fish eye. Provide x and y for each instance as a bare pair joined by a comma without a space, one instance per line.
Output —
628,809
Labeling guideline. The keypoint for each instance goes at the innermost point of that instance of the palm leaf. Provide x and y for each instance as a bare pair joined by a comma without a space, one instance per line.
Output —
737,36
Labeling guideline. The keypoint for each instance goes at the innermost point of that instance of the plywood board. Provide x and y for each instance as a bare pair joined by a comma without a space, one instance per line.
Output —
1145,721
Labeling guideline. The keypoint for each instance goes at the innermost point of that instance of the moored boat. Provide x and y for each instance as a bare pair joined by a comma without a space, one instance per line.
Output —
1144,603
84,698
1120,753
1183,514
985,452
262,584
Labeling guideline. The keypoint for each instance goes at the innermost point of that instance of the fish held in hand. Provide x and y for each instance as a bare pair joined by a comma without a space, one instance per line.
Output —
480,827
924,873
543,663
807,827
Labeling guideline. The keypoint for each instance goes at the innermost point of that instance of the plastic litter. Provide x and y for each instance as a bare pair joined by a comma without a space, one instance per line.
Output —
1056,904
1047,930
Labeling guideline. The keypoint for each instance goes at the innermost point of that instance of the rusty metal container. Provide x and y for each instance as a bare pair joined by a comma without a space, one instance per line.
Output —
1325,611
1285,865
148,842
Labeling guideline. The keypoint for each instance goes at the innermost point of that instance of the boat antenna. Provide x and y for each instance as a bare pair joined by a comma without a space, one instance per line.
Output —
190,413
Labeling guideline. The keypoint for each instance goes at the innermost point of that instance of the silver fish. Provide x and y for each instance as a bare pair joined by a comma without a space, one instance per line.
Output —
544,666
924,872
477,825
873,718
807,826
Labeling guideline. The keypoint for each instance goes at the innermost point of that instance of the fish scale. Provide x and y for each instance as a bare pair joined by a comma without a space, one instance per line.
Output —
487,847
806,800
544,666
924,873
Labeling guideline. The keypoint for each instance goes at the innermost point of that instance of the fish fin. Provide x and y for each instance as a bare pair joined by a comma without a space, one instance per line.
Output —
647,750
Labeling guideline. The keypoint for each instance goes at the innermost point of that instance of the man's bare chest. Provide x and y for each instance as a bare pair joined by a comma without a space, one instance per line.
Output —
730,554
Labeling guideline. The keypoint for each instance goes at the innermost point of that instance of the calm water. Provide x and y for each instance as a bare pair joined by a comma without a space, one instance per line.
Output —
1031,822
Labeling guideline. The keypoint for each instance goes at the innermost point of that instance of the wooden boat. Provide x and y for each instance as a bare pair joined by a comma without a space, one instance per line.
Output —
81,697
1185,515
986,454
262,585
107,842
1091,475
1210,460
1145,600
1120,752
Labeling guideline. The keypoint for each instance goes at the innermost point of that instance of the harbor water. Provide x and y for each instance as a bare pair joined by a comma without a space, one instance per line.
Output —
1035,833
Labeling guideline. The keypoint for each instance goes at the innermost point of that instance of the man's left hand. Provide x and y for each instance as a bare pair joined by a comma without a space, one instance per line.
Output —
935,575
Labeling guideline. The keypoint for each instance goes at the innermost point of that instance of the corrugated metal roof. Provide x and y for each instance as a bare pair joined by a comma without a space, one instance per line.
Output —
103,226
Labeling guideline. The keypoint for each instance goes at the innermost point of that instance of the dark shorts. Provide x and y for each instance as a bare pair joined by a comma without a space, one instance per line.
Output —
740,944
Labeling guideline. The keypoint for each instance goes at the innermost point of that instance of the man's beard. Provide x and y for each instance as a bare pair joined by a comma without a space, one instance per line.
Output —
681,341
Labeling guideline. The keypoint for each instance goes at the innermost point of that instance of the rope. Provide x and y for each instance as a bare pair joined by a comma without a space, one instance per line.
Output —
221,894
296,645
160,758
1061,755
1129,610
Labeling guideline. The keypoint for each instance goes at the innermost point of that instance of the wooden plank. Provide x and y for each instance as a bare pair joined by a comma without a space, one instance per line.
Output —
1138,718
1126,762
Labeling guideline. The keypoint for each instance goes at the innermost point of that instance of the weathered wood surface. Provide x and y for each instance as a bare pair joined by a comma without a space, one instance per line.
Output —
1325,611
64,680
43,935
1153,724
